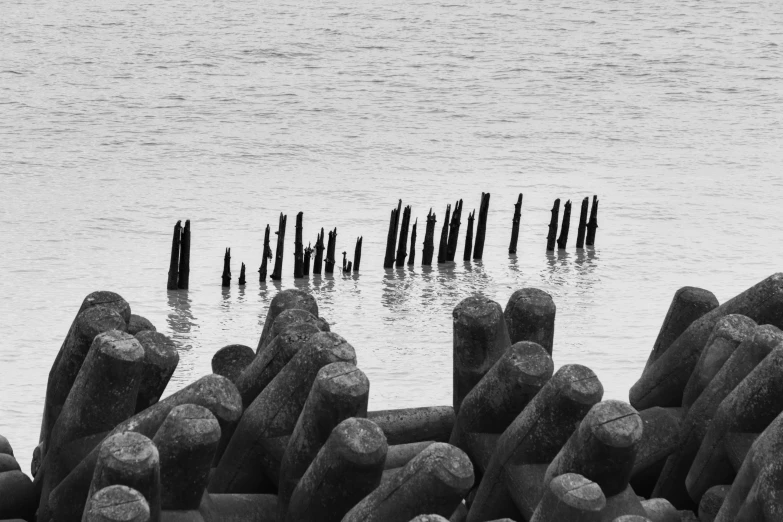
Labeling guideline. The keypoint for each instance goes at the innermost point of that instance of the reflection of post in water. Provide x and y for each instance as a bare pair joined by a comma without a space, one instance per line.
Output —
392,295
180,319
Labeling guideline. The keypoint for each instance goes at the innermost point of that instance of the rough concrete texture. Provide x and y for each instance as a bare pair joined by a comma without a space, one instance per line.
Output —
8,463
138,324
530,316
660,438
17,496
660,510
400,454
117,504
624,503
293,316
285,300
570,497
230,361
764,502
5,446
238,508
711,502
409,425
161,358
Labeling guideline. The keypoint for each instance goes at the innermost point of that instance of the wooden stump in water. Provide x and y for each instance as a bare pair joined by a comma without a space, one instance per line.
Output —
469,237
266,255
512,247
413,243
319,253
184,258
403,243
580,236
451,251
278,270
227,268
345,260
444,237
550,238
391,238
357,254
592,225
429,237
563,239
242,281
330,251
481,228
174,263
298,248
308,252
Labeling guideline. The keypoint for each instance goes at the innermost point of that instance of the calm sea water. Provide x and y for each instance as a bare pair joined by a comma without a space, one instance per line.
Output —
119,118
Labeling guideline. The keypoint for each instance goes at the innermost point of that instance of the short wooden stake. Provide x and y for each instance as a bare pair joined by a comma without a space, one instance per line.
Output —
308,253
550,239
512,247
278,270
266,255
429,237
184,258
481,228
563,239
444,237
319,253
592,225
330,251
357,254
391,238
413,243
451,251
174,263
469,237
403,243
227,268
242,281
298,248
345,260
580,236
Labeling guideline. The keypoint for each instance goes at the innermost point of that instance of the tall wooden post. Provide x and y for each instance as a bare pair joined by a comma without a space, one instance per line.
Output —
278,270
451,251
443,247
242,281
357,254
308,252
469,236
413,243
391,239
563,239
481,227
580,236
174,263
319,253
227,268
298,248
184,258
550,238
266,255
592,225
512,247
429,240
403,244
330,251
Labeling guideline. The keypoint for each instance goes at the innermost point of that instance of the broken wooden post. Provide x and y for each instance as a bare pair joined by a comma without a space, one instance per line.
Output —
444,237
266,255
580,237
174,263
592,225
563,239
550,239
345,260
308,252
391,238
413,243
512,247
481,228
454,231
184,258
242,281
357,254
429,237
319,253
227,268
278,270
402,245
348,268
469,237
330,251
298,250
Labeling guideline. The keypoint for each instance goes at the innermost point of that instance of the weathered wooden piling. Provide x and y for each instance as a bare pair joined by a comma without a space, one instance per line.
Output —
184,258
174,263
319,253
412,255
349,267
357,254
266,255
443,246
428,246
563,239
308,253
117,504
512,246
469,237
345,261
242,281
592,225
451,251
277,272
330,260
481,227
227,268
552,236
403,243
298,248
580,235
391,238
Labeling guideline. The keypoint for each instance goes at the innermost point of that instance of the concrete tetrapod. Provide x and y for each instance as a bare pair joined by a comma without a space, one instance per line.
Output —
230,361
663,382
117,504
750,407
480,339
408,425
340,391
214,392
285,300
17,495
660,438
712,501
238,508
660,510
137,324
248,465
688,304
293,316
671,482
346,469
186,440
435,481
400,454
570,497
533,440
764,503
530,316
160,360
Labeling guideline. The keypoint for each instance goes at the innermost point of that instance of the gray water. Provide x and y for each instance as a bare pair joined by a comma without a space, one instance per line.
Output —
119,118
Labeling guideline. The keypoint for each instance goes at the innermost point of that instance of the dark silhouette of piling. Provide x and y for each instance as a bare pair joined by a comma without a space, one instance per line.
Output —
348,267
443,246
481,228
357,253
391,238
278,270
550,239
413,243
184,258
563,239
512,247
298,248
403,243
319,252
580,237
242,275
469,237
227,268
592,225
174,263
330,251
454,231
429,238
266,255
345,260
308,253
